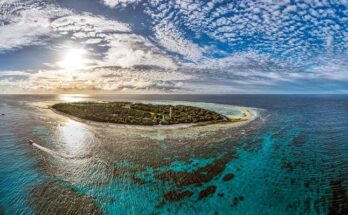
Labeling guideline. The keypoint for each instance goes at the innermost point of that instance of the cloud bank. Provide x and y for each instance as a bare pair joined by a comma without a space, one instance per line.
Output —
187,45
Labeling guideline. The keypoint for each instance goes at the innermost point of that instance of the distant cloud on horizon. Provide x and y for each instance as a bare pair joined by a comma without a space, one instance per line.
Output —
177,46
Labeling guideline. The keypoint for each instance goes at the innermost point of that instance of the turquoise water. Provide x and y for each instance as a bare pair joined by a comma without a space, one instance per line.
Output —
293,159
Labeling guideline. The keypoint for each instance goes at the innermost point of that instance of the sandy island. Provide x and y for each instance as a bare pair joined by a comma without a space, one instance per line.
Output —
245,116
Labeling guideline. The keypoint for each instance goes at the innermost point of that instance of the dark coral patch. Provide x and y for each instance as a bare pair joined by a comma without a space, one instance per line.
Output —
288,166
228,177
198,177
174,196
279,133
293,181
299,140
207,192
339,202
52,198
236,200
306,183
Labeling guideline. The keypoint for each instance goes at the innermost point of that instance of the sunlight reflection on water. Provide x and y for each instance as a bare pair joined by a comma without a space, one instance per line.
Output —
74,137
73,97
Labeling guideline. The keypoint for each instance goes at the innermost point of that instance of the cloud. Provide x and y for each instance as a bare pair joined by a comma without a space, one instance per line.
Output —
286,29
130,50
327,68
88,26
115,3
141,78
124,48
138,78
172,40
26,24
13,73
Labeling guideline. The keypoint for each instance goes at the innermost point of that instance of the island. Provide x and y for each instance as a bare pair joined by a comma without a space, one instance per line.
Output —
139,113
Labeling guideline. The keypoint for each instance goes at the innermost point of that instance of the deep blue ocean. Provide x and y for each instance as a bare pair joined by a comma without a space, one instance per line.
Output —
293,159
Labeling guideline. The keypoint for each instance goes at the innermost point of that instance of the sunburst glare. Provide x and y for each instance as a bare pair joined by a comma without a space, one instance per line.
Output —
74,59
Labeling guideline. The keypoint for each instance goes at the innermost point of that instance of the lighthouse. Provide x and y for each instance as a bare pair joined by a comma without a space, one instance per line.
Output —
170,112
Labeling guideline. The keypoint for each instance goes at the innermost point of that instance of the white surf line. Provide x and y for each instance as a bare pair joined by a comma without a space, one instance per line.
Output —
53,153
48,151
46,108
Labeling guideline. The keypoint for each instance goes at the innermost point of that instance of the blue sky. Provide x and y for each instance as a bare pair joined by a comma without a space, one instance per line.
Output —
178,46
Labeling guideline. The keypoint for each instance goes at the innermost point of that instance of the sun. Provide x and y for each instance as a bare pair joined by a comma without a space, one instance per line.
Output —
74,59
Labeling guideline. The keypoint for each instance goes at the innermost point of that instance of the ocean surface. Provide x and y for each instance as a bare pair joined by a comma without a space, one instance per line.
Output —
292,159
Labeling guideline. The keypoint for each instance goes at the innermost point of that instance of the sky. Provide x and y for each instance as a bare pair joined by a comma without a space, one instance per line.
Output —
173,46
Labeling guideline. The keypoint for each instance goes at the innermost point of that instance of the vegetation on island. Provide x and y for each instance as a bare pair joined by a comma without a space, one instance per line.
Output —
139,113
